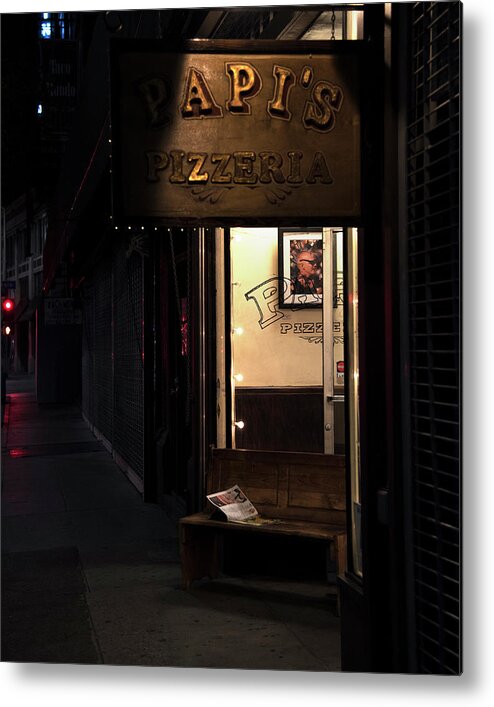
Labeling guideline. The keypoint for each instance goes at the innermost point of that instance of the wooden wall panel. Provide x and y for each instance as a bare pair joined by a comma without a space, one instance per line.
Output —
306,485
258,481
287,419
283,484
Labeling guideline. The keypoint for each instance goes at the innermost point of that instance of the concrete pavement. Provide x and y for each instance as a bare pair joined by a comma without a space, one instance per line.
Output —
91,574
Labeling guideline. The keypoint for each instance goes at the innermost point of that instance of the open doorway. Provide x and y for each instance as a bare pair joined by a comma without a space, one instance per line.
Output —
281,355
274,366
287,370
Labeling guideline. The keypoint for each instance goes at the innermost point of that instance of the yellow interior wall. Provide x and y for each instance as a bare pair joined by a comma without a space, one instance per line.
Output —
273,350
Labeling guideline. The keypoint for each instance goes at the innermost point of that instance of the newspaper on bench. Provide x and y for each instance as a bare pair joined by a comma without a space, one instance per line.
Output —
234,505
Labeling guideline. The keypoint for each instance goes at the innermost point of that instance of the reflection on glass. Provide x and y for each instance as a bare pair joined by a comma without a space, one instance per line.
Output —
338,313
353,391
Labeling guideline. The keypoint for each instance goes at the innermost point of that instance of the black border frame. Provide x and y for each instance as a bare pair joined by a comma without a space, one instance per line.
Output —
293,305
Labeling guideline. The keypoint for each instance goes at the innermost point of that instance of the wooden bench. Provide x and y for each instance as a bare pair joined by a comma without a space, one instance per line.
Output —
306,492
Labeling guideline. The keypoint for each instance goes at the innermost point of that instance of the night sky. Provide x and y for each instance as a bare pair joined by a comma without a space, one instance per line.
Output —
20,82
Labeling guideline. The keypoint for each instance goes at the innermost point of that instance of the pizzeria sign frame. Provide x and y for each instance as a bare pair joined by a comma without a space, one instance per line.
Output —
236,132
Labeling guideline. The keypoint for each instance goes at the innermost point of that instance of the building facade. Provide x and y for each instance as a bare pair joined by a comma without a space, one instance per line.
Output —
41,77
24,234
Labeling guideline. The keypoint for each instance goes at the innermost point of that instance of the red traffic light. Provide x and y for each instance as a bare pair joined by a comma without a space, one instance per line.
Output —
8,305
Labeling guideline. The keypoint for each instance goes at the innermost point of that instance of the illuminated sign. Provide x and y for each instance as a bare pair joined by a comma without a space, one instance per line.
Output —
58,90
229,132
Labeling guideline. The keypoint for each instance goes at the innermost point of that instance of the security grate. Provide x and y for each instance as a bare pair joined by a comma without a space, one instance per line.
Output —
434,292
87,369
112,354
128,437
102,347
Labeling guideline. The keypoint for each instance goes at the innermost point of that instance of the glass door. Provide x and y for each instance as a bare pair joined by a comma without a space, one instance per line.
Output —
333,341
280,355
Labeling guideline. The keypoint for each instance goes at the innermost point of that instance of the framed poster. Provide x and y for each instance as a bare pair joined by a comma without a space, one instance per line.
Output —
300,268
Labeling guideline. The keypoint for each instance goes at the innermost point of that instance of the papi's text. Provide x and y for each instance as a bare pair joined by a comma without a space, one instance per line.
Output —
318,111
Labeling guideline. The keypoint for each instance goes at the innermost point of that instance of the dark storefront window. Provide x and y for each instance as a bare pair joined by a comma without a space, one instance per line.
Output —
24,287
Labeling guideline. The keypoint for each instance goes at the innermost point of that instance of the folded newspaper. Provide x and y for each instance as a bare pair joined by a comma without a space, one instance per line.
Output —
234,505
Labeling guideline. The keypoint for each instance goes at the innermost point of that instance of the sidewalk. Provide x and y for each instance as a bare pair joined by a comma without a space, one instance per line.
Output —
91,573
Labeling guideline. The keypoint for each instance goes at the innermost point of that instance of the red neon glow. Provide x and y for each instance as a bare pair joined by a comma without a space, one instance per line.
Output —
7,305
18,452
